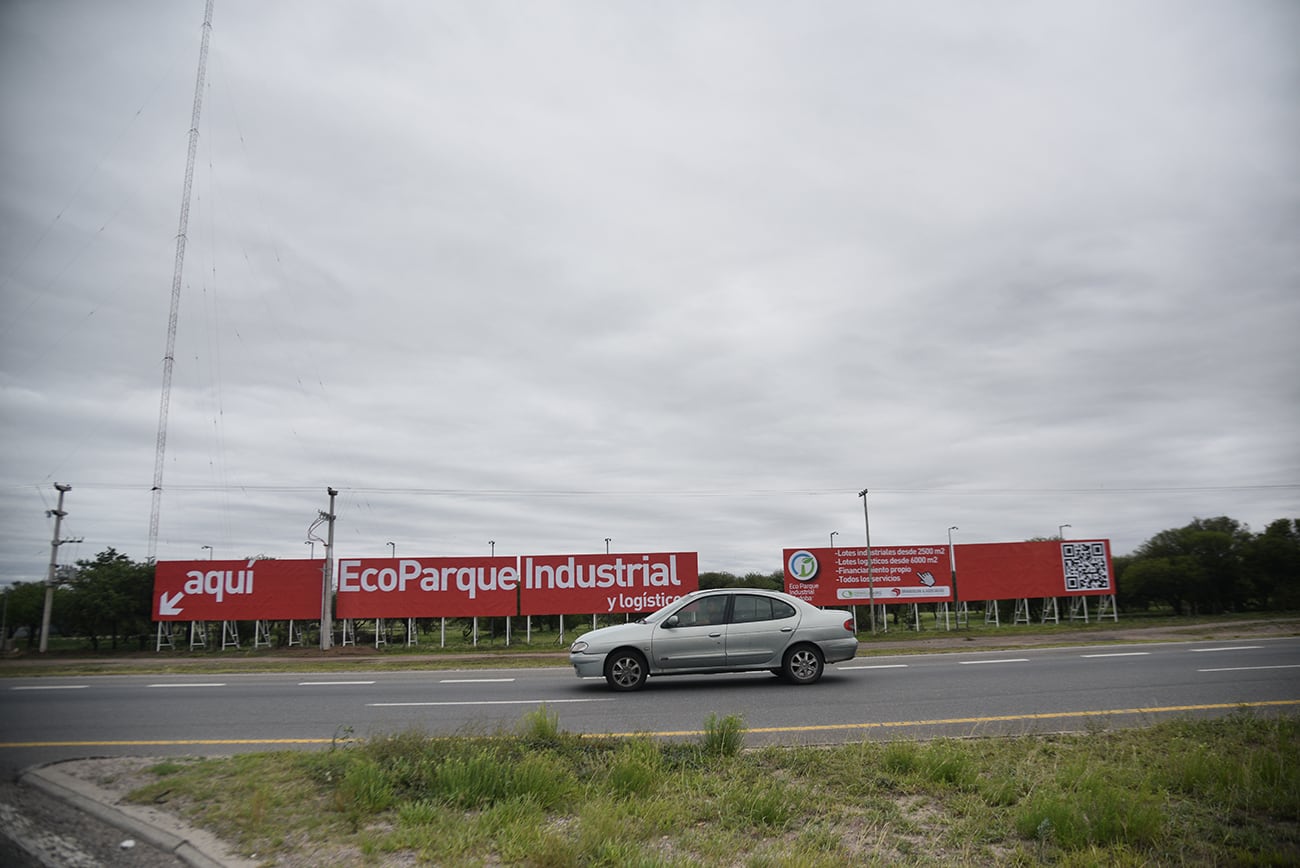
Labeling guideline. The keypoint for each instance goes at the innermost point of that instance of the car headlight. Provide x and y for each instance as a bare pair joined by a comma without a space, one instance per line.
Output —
578,647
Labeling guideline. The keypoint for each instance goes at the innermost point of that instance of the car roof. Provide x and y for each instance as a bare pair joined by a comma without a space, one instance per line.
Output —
739,590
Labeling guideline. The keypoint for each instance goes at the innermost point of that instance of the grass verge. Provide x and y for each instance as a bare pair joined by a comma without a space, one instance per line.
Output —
1207,792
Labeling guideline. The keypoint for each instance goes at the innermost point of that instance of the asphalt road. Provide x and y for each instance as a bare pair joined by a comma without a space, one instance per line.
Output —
48,719
44,720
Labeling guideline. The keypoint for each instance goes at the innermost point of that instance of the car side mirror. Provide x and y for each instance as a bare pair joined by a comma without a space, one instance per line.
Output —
671,621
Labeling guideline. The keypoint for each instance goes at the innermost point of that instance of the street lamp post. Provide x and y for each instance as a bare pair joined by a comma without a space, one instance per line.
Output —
209,550
392,549
834,533
607,539
952,573
871,581
492,547
1060,531
312,550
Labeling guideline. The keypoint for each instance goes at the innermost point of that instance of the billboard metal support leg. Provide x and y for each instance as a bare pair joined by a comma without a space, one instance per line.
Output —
1107,608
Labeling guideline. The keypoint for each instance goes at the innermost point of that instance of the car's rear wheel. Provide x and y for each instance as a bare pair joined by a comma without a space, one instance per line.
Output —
803,665
626,669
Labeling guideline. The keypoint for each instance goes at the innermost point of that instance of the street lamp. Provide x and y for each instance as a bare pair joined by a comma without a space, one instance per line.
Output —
492,547
392,549
1060,531
834,533
607,545
312,543
209,548
952,572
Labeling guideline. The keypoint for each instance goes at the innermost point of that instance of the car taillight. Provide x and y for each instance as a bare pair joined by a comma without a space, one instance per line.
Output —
848,625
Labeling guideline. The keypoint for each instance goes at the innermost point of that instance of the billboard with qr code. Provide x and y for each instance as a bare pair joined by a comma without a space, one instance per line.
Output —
923,574
1049,568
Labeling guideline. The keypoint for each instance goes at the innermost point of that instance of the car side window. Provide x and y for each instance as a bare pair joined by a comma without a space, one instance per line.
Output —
703,613
748,609
782,609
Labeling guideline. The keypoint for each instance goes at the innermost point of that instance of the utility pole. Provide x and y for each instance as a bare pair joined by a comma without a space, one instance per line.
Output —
51,576
327,576
871,579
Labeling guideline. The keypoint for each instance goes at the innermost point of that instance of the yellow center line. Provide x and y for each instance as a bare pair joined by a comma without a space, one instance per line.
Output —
164,742
951,721
828,727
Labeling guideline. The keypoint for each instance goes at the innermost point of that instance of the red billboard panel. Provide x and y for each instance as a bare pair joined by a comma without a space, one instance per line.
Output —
255,590
856,576
604,584
445,587
1051,568
921,574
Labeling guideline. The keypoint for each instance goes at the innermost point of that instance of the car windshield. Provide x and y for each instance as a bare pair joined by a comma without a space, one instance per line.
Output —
659,614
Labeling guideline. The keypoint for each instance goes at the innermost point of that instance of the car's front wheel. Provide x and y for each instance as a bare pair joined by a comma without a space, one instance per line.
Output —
626,669
803,665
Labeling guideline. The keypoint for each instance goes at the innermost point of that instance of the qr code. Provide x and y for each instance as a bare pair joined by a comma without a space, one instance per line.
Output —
1085,566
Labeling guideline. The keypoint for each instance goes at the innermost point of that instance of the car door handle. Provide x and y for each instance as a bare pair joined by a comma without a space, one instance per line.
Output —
715,635
787,629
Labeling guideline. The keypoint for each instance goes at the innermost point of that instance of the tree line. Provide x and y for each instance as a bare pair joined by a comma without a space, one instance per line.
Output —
1210,566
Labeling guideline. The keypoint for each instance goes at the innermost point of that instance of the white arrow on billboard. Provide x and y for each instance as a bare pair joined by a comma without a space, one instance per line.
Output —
168,606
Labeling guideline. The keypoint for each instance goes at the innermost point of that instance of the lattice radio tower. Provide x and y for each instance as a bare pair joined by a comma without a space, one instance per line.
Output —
169,358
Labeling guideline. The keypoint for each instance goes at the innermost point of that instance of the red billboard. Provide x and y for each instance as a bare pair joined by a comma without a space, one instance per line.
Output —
856,576
604,584
922,574
446,587
253,590
1050,568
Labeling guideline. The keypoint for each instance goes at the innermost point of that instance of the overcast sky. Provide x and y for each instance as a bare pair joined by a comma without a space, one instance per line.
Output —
686,275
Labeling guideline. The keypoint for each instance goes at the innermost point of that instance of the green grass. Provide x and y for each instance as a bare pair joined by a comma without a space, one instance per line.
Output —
1186,792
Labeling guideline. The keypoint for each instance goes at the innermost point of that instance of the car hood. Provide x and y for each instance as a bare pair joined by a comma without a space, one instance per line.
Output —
605,636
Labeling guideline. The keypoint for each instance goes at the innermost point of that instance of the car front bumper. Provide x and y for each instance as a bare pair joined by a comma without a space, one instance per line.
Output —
588,665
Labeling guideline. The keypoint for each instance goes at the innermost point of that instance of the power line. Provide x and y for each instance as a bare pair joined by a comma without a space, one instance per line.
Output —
684,492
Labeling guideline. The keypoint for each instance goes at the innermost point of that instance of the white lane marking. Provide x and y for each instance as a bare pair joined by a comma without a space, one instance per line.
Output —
982,662
1251,668
329,683
485,702
53,687
194,684
877,666
1118,654
475,680
1233,648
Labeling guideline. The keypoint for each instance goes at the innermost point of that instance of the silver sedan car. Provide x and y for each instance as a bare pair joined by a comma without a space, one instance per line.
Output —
723,630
